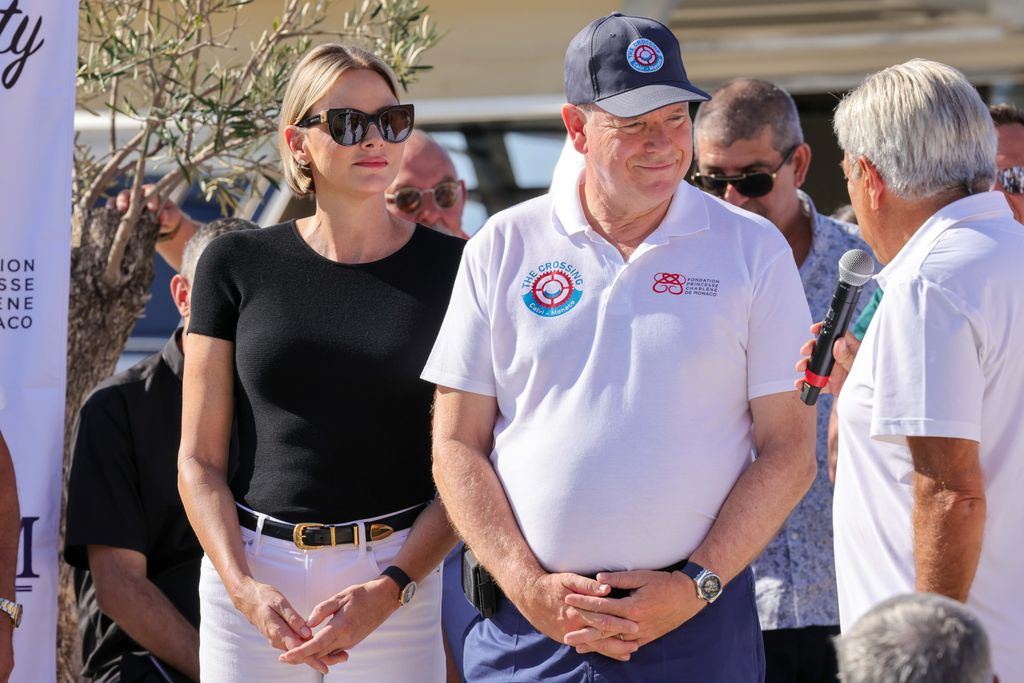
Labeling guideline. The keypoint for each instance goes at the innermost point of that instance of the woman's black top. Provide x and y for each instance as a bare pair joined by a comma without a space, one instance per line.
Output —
333,418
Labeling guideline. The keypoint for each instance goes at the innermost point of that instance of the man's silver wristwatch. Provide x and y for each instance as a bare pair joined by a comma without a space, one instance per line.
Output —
11,609
709,586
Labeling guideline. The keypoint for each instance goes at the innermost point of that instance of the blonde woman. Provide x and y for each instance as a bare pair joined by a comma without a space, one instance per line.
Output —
323,542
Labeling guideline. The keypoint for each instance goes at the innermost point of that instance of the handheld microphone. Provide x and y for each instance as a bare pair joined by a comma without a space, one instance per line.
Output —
855,268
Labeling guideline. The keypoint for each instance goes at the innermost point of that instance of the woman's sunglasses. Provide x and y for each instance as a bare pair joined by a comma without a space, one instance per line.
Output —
409,199
349,126
756,184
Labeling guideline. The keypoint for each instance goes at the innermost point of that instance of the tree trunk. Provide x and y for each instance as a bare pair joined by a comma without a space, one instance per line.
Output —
100,318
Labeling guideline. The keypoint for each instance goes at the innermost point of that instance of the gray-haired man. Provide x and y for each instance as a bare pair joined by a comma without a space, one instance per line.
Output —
931,453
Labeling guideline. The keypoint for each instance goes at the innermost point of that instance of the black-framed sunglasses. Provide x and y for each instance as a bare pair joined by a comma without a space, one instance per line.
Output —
1012,179
756,184
409,199
349,126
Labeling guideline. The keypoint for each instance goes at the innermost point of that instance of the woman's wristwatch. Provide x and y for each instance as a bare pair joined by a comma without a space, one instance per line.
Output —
11,609
406,586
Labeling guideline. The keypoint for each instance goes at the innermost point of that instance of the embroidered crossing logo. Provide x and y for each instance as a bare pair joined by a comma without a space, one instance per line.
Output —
644,56
553,288
678,285
671,283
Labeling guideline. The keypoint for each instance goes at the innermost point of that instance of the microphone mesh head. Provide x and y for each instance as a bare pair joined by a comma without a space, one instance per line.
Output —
856,267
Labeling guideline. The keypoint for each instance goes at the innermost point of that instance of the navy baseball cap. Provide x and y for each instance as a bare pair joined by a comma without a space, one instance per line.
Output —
628,66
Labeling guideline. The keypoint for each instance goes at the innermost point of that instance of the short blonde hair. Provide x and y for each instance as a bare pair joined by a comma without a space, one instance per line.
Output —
313,75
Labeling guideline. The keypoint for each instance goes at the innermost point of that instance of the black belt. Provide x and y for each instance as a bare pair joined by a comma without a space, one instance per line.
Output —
310,536
625,592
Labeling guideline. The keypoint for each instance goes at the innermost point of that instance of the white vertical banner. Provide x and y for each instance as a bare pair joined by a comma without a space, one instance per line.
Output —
38,59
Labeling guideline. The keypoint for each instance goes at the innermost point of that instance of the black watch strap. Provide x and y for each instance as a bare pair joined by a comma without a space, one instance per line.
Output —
398,576
692,569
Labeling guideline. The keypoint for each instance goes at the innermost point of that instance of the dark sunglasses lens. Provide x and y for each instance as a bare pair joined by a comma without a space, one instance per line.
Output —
395,124
348,128
408,199
755,185
446,194
712,185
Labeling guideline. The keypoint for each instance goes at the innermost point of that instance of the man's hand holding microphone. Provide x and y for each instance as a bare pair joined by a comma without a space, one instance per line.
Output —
832,345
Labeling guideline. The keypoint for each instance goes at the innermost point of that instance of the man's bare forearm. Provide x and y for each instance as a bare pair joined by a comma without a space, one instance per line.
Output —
765,493
474,497
479,510
10,523
752,514
949,515
10,533
144,612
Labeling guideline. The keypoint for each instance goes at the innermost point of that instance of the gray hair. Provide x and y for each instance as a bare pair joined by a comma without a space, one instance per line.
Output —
915,638
740,109
924,128
197,244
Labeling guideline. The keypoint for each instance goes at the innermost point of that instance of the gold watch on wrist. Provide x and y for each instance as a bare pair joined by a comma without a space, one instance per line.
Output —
11,609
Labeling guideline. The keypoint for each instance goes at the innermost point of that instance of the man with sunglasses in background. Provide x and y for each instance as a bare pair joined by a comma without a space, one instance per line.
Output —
1009,121
751,152
427,188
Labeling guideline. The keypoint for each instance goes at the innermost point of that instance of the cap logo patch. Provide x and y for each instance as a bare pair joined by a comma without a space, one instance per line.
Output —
644,56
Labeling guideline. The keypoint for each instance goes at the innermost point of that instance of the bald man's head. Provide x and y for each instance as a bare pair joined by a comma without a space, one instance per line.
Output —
427,168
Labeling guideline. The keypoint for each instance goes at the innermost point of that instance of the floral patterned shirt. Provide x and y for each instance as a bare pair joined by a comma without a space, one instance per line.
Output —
796,575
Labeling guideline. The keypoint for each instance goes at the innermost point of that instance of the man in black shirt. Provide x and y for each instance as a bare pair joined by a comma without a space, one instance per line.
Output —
136,557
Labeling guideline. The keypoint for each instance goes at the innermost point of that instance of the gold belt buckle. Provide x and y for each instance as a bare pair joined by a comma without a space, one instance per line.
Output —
379,532
301,545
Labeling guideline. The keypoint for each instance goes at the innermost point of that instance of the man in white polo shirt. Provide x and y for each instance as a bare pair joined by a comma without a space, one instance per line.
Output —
613,354
928,489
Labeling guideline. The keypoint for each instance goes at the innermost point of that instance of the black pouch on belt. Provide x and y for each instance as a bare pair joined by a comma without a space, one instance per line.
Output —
480,588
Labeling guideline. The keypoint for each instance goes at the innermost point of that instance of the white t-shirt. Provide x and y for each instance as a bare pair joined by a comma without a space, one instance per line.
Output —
622,388
940,358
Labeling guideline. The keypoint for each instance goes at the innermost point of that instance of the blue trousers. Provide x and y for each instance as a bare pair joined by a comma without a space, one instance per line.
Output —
721,644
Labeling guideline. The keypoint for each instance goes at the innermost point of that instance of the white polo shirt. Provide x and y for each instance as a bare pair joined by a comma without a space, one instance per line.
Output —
940,358
622,387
